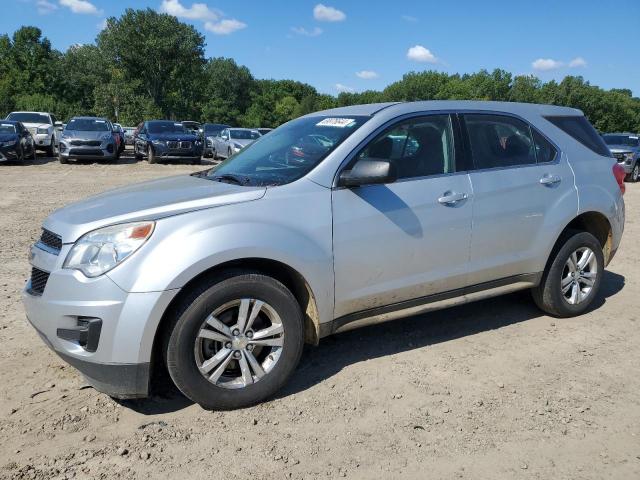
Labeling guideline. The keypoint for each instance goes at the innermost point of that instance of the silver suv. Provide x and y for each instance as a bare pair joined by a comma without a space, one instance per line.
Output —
334,220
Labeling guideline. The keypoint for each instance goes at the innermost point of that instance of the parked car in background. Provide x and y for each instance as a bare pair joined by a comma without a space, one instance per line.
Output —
625,147
42,126
167,140
210,131
16,142
129,133
118,131
192,126
225,274
90,138
263,131
232,140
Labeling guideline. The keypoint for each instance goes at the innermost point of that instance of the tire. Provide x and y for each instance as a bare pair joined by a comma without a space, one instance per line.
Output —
51,149
229,153
214,155
62,159
634,176
549,295
183,350
21,157
138,156
151,155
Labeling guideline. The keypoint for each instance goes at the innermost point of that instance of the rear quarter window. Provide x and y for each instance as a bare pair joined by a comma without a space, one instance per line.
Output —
581,130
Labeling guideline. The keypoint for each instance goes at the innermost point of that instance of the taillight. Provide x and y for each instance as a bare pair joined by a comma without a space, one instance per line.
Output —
619,173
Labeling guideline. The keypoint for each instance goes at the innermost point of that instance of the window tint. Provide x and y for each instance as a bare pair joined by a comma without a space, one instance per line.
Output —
499,141
417,147
545,152
582,131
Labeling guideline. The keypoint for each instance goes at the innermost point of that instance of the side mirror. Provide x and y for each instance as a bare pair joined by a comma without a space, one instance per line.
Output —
369,171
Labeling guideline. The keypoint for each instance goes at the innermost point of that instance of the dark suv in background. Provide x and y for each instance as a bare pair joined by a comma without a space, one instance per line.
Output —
625,147
167,140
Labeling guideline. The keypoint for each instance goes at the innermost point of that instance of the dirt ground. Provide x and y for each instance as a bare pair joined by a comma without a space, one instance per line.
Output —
491,390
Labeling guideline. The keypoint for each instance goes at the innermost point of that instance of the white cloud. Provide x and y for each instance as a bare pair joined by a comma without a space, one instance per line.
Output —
81,6
323,13
225,27
307,33
546,64
418,53
367,74
197,11
102,25
409,18
45,7
344,88
578,62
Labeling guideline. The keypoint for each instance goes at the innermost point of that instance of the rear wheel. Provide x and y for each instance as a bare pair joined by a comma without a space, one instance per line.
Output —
572,279
235,342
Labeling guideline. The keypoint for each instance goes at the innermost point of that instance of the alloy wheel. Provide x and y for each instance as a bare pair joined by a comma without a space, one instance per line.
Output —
239,343
579,275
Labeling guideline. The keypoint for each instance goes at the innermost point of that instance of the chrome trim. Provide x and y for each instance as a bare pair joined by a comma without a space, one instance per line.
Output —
47,248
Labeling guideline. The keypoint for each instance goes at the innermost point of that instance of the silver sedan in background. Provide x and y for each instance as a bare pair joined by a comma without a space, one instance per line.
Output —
232,140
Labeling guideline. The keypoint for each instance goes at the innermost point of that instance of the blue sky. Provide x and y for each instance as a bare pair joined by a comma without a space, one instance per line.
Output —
358,45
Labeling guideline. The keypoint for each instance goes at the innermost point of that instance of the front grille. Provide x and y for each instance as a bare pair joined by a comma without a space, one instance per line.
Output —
86,143
179,145
50,239
85,151
38,281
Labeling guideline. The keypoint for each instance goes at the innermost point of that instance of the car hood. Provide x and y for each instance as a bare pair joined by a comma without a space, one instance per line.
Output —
8,137
36,125
622,148
187,137
242,141
149,200
82,135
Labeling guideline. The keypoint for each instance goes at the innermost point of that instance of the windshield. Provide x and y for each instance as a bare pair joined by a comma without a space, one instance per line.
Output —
7,128
213,129
628,140
288,152
166,127
88,125
244,134
26,117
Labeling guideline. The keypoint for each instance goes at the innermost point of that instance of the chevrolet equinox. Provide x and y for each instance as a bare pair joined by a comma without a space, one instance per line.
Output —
337,219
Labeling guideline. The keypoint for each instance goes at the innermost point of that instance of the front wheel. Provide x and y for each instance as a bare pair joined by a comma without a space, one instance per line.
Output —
634,176
151,155
51,149
235,341
572,279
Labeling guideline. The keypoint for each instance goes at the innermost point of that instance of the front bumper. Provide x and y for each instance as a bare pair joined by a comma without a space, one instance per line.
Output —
42,140
120,363
8,154
103,151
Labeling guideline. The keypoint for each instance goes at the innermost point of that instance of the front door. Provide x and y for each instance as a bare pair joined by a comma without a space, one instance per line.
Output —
408,239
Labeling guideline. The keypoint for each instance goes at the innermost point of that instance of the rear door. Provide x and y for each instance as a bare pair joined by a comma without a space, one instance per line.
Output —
523,195
408,239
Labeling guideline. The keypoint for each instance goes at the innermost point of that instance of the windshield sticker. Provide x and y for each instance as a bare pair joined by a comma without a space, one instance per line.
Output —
100,121
633,138
336,122
6,124
177,124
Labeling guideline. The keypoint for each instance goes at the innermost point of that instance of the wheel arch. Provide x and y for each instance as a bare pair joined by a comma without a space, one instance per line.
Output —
595,223
282,272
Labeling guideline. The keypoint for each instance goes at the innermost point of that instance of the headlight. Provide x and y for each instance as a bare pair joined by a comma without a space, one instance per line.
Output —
41,131
65,136
99,251
107,136
8,143
158,142
628,156
237,146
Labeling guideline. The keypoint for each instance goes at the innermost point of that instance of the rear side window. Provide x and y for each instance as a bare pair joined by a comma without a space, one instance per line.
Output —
545,152
581,130
499,141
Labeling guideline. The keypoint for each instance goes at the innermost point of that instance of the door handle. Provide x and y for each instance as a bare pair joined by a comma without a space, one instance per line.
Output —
550,180
452,198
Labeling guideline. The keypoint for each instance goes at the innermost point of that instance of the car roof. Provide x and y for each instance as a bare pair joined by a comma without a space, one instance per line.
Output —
90,118
242,128
621,133
414,107
29,111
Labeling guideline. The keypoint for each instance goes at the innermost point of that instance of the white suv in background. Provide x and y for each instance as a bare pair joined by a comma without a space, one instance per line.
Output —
43,128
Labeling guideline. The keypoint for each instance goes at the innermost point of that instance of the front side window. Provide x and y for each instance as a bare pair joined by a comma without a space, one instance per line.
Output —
88,125
417,148
545,151
499,141
288,152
